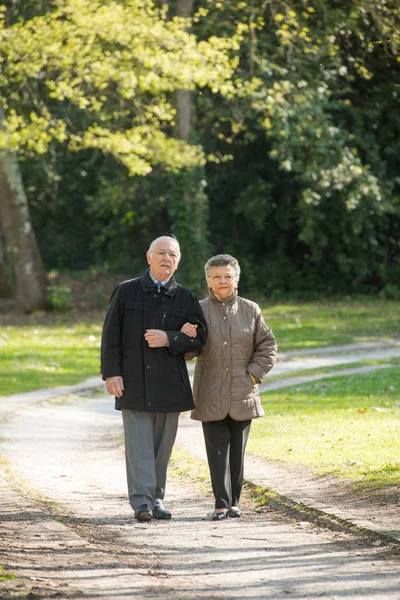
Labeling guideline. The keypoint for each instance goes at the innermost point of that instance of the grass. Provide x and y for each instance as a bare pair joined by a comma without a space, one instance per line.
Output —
334,368
49,350
5,575
41,355
348,426
326,323
189,467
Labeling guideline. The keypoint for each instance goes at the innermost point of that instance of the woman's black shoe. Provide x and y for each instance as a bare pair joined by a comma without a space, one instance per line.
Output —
218,516
234,512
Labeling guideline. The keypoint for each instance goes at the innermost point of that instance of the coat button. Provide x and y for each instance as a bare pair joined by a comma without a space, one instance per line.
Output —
148,366
225,343
226,369
224,318
149,404
224,304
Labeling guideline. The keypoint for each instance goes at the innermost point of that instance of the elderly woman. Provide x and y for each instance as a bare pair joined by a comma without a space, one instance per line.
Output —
239,352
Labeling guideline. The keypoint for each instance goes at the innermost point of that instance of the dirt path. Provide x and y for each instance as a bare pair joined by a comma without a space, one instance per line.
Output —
76,537
66,528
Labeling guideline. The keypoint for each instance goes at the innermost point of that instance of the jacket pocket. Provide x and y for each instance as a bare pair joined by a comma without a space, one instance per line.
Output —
242,384
171,319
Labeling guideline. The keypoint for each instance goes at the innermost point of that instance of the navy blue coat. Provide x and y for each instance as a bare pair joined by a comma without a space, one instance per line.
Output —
155,379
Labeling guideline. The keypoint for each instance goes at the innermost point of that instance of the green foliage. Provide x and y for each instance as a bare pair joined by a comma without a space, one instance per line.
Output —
114,62
312,126
59,298
296,113
188,207
392,291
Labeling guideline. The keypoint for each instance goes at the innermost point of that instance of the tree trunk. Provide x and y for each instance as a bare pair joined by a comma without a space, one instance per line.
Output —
20,241
5,286
188,203
183,126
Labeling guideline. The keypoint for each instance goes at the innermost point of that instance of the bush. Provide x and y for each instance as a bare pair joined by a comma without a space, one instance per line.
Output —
59,298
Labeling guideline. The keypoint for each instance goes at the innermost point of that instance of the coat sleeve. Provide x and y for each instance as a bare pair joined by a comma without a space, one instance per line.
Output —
180,343
265,349
111,337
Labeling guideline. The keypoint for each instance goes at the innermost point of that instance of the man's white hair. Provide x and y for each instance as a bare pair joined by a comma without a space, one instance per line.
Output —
164,237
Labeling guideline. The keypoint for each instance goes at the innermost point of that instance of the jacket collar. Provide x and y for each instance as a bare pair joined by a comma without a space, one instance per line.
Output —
148,284
228,300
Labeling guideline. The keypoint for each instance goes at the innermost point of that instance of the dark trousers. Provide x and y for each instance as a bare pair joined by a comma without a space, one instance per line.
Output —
225,445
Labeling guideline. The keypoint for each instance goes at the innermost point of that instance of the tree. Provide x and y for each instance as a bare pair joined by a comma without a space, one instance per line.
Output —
5,287
22,250
312,127
188,203
116,64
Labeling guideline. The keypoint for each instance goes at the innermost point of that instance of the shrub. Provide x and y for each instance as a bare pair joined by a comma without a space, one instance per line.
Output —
59,298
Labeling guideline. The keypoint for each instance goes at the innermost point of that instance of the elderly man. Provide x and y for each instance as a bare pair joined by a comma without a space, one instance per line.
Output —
142,362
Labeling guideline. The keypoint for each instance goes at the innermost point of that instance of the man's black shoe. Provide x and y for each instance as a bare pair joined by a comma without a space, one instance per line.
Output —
143,513
160,512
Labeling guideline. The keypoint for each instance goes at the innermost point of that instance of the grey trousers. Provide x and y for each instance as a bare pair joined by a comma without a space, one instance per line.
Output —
149,439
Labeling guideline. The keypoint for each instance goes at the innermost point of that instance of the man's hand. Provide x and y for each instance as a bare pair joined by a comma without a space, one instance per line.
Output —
156,338
115,386
189,329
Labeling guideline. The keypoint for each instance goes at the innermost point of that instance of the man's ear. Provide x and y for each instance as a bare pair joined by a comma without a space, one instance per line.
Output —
148,257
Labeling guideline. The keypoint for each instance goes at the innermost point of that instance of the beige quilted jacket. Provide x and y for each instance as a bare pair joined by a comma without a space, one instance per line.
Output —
239,342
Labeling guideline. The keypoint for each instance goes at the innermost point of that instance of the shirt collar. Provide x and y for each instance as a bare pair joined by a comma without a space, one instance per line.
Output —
156,280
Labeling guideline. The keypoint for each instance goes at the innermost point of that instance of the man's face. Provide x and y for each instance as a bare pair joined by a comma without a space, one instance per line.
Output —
163,258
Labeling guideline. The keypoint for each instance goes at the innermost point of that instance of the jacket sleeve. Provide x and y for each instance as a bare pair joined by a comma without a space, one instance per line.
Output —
111,337
265,349
180,343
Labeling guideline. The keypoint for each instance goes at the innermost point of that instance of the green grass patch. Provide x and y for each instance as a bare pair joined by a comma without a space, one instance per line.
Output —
45,355
5,575
332,369
46,350
348,425
188,466
326,323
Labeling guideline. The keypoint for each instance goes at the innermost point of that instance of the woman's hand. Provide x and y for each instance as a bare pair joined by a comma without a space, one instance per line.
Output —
189,329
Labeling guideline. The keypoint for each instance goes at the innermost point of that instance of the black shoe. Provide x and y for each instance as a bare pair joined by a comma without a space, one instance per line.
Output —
218,516
160,512
234,512
143,513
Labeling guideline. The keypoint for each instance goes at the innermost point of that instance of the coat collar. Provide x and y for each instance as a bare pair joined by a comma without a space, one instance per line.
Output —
148,284
223,301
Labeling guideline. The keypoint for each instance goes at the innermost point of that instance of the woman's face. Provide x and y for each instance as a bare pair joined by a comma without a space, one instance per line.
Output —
222,281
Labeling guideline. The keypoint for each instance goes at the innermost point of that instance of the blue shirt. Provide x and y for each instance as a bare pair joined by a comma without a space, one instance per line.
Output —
159,283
